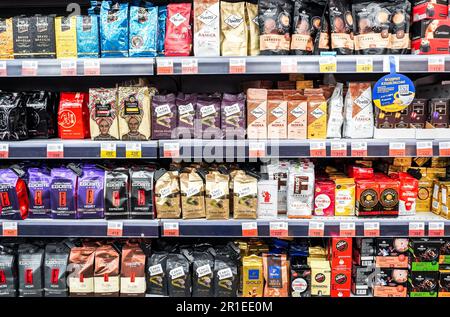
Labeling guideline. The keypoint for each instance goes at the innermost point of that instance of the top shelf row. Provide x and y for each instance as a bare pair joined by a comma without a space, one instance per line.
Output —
222,65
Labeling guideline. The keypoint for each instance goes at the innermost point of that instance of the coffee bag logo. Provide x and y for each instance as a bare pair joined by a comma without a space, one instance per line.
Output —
255,20
162,110
22,25
67,119
177,19
362,101
298,112
340,279
41,24
65,24
277,112
341,245
207,17
234,21
258,112
317,113
87,23
183,109
320,278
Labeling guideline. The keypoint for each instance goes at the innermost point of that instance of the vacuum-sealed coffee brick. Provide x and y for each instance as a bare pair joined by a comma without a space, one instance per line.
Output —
276,115
167,195
103,110
116,193
66,37
55,270
6,38
141,193
297,113
256,113
31,270
134,113
267,199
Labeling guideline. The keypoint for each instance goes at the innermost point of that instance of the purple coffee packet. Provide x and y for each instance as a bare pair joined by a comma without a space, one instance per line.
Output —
9,200
164,116
90,193
63,193
186,106
207,125
233,116
39,181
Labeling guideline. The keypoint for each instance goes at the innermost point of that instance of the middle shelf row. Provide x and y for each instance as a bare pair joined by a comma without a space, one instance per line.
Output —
420,225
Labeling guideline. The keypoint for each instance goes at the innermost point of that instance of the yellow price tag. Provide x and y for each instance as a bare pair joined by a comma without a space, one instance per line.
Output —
364,65
108,150
328,64
133,150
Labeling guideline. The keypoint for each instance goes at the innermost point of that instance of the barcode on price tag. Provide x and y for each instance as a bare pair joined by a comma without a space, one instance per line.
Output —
133,150
114,229
249,229
256,149
29,68
4,150
436,64
289,65
9,229
91,67
316,229
3,71
436,229
171,229
68,67
108,150
279,229
347,229
171,150
55,150
416,229
371,229
164,66
317,149
338,149
328,64
424,148
359,149
444,148
189,66
237,66
364,64
397,149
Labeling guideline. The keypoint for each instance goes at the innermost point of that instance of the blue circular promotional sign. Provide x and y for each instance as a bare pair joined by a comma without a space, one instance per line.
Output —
393,92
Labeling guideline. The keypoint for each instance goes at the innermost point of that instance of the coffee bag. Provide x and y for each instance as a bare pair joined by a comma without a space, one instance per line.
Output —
143,21
66,37
276,115
217,196
257,113
233,116
55,270
164,116
141,194
8,264
178,40
13,117
114,29
341,27
103,110
44,36
134,110
206,28
233,29
116,194
179,277
162,16
251,17
30,264
63,193
156,274
41,119
81,275
300,191
276,273
253,276
39,181
23,37
297,113
202,274
358,111
13,196
88,45
167,196
186,108
208,118
73,116
6,38
268,199
336,112
192,195
226,276
279,172
90,193
132,272
245,196
107,272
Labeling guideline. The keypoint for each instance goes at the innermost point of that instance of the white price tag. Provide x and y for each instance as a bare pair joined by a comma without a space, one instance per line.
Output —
436,229
55,150
164,66
397,149
3,70
416,229
444,148
278,229
317,149
316,229
68,67
424,148
436,64
4,150
328,64
237,66
9,229
256,149
114,229
338,149
250,229
29,68
359,149
91,67
371,229
347,229
171,229
289,65
108,150
189,66
171,150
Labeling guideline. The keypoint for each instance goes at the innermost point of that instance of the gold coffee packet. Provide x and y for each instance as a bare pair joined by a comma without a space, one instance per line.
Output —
251,16
167,196
6,39
66,37
245,199
134,113
217,196
192,195
233,29
253,281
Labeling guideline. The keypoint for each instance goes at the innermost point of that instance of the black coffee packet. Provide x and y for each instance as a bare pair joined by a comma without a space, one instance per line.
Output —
40,114
202,274
23,31
141,204
300,278
55,270
156,274
43,36
226,276
31,259
8,271
179,277
13,117
116,194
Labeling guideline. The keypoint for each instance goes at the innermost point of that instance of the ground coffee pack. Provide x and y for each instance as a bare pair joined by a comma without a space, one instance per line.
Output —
8,269
162,15
116,194
6,38
251,15
202,274
63,193
226,277
73,117
13,196
23,37
31,259
103,112
13,117
192,191
41,118
132,272
143,21
178,40
90,193
39,181
179,277
164,116
107,271
141,193
44,45
114,29
167,196
55,270
157,274
81,275
134,113
207,124
88,36
206,28
66,37
233,116
217,196
186,108
234,29
245,196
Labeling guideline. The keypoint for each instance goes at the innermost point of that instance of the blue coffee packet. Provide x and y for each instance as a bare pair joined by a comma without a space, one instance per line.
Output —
87,36
162,15
143,30
114,29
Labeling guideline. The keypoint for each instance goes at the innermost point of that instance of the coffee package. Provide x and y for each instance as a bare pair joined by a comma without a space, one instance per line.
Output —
116,194
217,198
6,38
141,193
206,28
41,118
245,196
251,16
300,278
43,36
156,274
202,274
208,118
324,196
226,276
39,188
8,264
178,40
276,115
103,110
400,42
143,23
161,35
233,29
186,108
390,282
66,37
179,277
297,112
90,193
134,110
30,264
279,172
253,276
13,196
88,45
233,116
13,114
267,199
257,113
358,111
167,196
345,197
81,274
317,117
55,270
132,271
22,37
341,27
439,111
300,191
63,193
164,116
107,271
73,118
419,113
275,21
276,275
336,112
192,191
114,29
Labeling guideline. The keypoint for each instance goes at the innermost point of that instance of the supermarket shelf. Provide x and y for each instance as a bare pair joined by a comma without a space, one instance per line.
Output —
108,67
74,149
305,64
389,227
83,228
240,149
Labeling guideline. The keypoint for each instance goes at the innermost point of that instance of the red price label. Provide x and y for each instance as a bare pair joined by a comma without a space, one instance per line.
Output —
164,66
171,150
91,67
444,148
359,149
424,148
29,68
347,229
316,229
249,229
436,64
237,66
3,71
279,229
189,66
317,149
4,150
436,229
55,150
68,68
9,229
397,149
338,149
256,149
416,229
115,229
171,229
371,229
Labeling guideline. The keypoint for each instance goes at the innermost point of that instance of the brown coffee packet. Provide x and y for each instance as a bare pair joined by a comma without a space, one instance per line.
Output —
134,110
167,196
245,196
217,196
107,271
192,195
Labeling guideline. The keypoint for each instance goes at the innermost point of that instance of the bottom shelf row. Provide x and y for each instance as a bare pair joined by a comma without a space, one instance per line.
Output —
334,267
